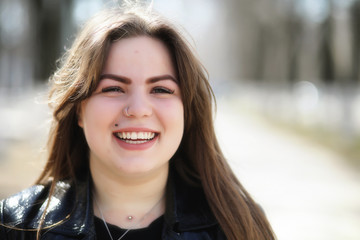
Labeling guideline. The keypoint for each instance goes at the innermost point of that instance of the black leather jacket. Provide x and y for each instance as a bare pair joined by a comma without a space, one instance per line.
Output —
70,213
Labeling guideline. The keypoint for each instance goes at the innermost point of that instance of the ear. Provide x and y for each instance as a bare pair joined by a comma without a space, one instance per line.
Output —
79,116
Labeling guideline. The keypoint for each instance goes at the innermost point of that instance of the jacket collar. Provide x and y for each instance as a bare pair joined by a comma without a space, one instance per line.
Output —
186,208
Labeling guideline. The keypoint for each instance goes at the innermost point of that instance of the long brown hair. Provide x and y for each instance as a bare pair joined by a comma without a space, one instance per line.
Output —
201,157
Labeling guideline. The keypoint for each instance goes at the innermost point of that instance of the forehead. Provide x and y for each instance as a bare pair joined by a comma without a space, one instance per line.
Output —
142,53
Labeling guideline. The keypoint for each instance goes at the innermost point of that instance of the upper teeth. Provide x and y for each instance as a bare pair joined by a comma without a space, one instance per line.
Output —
135,135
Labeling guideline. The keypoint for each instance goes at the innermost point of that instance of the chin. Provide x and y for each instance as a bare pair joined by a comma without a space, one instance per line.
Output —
138,168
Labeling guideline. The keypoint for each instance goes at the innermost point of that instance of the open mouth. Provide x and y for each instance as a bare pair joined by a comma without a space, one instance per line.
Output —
135,137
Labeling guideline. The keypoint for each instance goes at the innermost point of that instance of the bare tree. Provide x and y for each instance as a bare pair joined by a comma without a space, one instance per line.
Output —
354,24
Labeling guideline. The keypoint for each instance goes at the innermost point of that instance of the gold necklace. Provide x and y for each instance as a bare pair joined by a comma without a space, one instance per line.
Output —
129,218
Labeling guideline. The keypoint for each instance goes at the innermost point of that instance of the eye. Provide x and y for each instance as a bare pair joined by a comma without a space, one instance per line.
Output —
162,90
112,89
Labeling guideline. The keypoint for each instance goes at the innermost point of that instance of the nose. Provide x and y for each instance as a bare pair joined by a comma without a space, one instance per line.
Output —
138,106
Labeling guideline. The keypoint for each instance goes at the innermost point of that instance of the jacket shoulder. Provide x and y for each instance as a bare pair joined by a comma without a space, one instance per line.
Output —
25,209
15,209
68,215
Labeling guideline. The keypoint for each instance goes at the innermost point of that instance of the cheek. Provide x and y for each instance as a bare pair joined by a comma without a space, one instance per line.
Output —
98,114
97,117
176,125
173,115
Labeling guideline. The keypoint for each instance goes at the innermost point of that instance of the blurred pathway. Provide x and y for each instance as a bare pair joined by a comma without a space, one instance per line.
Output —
24,121
308,192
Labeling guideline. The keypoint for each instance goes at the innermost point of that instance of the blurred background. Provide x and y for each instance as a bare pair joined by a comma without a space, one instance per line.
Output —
286,75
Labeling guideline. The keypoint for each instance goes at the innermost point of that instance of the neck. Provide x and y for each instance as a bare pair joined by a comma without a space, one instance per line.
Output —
118,197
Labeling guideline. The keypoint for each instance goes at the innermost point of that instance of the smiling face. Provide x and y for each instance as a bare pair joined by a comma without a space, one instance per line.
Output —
134,120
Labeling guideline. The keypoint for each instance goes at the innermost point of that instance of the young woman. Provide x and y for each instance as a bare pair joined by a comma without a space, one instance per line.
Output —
132,149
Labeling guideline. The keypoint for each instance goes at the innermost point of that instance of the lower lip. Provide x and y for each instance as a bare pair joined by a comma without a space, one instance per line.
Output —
136,147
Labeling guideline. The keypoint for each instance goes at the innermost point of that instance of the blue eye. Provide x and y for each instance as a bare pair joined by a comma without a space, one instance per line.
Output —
112,89
162,90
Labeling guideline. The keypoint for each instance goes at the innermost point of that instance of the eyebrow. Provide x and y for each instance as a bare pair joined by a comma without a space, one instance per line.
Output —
162,77
126,80
116,78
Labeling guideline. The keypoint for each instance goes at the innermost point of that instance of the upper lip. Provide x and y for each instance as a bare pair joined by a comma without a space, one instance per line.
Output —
135,129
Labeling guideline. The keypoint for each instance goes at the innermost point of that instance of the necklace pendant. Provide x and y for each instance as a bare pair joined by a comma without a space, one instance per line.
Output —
130,218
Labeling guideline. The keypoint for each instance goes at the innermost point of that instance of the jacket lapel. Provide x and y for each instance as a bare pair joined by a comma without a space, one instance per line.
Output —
187,208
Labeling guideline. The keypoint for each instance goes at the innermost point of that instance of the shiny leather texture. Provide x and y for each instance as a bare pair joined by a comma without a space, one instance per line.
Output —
70,214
